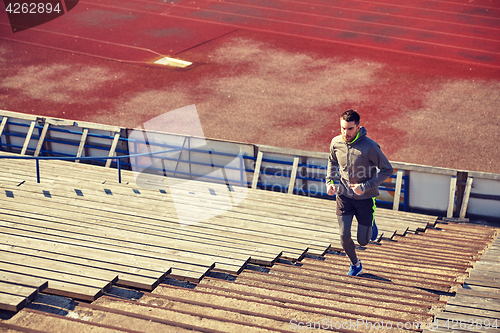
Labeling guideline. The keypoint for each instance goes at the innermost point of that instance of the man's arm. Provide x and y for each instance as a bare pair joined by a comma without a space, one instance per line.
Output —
331,171
385,168
332,166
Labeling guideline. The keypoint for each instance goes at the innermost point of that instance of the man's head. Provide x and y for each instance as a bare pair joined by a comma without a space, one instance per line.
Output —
349,125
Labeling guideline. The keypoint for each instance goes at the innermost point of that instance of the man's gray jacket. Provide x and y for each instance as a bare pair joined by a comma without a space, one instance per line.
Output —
357,163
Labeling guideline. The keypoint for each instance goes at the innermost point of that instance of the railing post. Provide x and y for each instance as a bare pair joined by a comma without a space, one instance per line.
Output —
242,165
119,170
136,159
293,175
406,192
451,199
397,191
37,171
465,200
256,172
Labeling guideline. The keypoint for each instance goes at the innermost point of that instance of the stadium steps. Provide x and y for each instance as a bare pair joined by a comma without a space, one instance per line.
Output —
313,291
93,240
476,305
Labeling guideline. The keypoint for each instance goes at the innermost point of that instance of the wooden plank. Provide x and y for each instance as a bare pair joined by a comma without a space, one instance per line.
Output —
23,260
41,139
187,254
190,276
256,173
484,283
451,198
113,149
242,218
478,302
96,269
60,122
299,208
95,126
321,250
485,276
293,152
423,168
57,283
22,280
274,208
28,292
491,267
120,262
10,302
485,175
63,276
71,290
12,114
172,253
28,137
82,144
488,263
294,217
190,245
3,124
479,291
288,212
280,214
83,124
492,253
293,175
465,201
317,204
397,193
114,225
314,204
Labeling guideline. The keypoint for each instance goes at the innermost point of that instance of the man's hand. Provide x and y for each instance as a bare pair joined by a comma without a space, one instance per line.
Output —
331,189
356,188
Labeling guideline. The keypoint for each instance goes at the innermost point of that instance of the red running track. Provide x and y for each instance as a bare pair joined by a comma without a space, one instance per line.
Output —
425,73
458,31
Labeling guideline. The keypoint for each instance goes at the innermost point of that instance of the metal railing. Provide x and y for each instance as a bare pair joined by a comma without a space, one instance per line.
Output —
121,162
403,191
118,158
49,140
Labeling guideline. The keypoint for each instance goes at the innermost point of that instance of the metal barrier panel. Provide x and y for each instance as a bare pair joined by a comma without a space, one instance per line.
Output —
485,195
429,191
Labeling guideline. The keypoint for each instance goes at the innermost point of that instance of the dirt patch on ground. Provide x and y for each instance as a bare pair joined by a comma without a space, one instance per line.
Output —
59,83
456,127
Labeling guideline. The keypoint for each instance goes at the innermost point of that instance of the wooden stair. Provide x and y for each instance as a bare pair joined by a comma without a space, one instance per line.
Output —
81,235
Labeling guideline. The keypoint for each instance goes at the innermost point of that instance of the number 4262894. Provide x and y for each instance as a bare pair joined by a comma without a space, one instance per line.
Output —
456,324
32,8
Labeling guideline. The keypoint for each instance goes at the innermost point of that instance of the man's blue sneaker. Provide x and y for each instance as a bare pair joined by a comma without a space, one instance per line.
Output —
374,231
355,270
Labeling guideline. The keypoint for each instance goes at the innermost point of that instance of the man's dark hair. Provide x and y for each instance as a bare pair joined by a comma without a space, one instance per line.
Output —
350,115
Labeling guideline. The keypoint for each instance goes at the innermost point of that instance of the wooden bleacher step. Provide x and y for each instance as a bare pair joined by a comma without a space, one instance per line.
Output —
229,216
260,255
76,209
17,290
476,304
